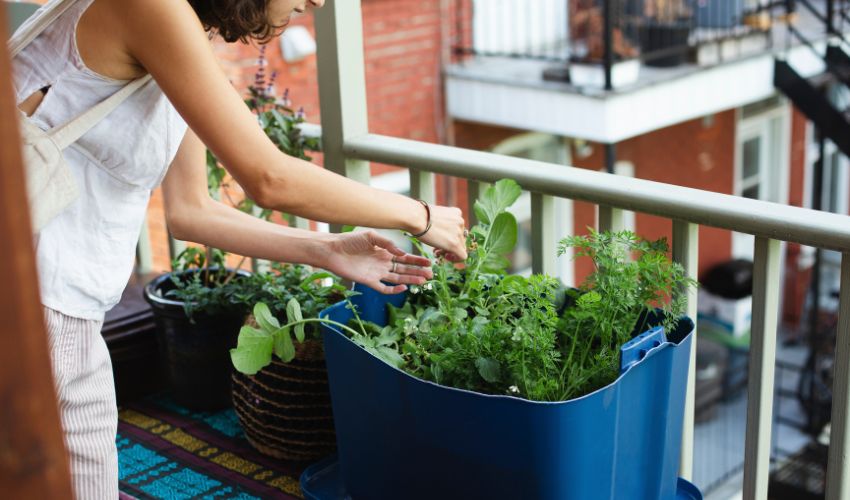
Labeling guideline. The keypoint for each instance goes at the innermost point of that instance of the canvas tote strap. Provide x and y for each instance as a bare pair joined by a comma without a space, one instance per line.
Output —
67,134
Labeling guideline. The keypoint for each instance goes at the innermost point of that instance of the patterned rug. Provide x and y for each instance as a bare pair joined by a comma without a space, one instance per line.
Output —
169,452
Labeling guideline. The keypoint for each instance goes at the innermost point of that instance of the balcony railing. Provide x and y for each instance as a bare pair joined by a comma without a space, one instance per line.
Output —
602,32
348,147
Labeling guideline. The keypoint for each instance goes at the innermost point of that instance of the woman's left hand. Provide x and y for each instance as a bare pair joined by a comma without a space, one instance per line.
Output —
373,260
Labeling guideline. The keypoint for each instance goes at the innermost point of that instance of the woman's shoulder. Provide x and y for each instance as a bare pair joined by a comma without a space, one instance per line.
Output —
113,33
157,17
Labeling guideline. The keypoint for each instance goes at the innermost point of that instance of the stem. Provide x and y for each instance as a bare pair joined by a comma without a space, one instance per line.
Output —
322,320
232,274
356,315
575,341
208,253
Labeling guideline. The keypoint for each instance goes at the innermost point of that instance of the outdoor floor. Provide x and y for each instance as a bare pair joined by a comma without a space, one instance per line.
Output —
168,452
719,442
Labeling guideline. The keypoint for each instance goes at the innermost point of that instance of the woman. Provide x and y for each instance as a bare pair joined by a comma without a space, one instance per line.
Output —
160,134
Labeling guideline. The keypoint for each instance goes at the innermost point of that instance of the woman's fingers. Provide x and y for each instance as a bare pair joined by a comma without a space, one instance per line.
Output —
414,260
385,243
447,255
405,279
423,272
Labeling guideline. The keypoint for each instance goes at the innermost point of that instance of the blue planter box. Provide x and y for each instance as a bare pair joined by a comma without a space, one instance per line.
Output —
401,437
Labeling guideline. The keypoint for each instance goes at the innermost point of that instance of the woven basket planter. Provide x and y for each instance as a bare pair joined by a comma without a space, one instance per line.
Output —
285,409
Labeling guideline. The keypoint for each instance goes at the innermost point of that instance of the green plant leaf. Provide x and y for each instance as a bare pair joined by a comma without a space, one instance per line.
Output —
265,318
253,351
480,212
503,234
390,355
488,368
293,313
497,199
283,346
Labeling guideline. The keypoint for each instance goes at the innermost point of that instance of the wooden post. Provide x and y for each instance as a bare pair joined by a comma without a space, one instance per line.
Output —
33,462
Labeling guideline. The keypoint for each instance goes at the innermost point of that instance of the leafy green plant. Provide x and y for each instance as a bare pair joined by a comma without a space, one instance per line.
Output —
631,280
479,329
281,301
313,291
202,282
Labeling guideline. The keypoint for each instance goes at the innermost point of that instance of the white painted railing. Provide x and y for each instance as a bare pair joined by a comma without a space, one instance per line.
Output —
348,147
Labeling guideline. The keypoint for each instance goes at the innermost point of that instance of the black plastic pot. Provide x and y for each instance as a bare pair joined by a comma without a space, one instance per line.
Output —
669,38
195,353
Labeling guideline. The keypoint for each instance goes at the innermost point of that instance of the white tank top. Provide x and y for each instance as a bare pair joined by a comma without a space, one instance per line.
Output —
85,255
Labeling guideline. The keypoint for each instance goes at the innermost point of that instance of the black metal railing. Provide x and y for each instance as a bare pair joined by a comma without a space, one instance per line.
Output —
657,32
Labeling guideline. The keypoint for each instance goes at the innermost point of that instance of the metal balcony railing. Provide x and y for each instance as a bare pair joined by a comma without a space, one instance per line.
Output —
348,147
600,32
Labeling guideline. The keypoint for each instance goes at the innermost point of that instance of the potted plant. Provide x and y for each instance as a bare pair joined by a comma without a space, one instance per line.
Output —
283,401
484,385
666,30
198,313
588,49
200,306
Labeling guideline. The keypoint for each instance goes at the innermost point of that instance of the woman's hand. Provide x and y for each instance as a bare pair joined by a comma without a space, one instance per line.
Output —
447,234
371,259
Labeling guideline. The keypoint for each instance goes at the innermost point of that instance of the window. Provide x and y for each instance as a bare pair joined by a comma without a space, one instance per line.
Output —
761,160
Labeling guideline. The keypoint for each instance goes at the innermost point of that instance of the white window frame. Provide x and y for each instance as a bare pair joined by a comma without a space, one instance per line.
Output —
774,128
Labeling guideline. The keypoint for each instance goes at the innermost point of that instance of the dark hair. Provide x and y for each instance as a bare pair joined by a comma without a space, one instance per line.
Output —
236,19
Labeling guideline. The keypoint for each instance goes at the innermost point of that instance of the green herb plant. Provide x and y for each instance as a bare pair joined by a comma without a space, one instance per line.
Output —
286,302
477,328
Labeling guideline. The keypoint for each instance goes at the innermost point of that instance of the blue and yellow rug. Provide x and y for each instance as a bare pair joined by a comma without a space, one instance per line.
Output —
168,452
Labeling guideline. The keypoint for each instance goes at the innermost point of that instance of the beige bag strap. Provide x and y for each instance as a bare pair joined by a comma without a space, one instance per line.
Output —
67,134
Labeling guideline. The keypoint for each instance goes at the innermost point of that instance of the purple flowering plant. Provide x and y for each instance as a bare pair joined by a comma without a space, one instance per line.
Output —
279,121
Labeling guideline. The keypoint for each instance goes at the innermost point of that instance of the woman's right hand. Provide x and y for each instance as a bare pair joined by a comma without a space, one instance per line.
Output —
447,234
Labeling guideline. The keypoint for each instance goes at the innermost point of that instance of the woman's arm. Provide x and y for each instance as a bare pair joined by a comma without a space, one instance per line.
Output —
192,215
168,40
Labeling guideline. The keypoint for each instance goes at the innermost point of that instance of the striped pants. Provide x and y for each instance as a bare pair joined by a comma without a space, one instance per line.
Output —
82,374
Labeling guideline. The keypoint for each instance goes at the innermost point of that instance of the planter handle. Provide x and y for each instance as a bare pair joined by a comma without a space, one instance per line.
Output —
636,349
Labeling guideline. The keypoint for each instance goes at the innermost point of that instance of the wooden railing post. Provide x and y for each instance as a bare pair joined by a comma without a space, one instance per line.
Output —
33,462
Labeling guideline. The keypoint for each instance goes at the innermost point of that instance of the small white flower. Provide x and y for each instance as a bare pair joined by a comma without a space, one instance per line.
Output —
414,289
428,286
513,389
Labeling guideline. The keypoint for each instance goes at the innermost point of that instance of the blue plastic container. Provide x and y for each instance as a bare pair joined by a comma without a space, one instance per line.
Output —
401,437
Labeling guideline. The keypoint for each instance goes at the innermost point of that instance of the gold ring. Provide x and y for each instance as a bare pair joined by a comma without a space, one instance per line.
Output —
394,266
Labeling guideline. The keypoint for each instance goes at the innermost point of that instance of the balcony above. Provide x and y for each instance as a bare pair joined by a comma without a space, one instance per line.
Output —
554,81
